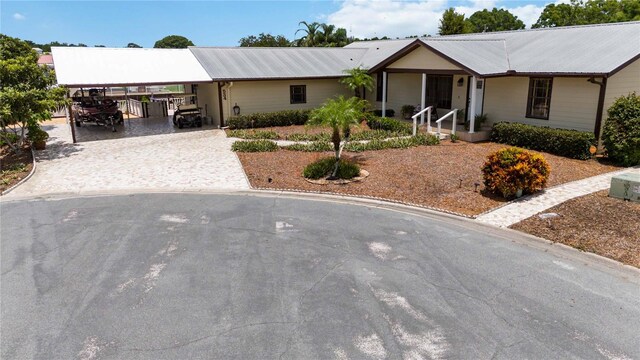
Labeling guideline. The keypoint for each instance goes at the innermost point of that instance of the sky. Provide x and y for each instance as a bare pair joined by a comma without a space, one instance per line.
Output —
223,23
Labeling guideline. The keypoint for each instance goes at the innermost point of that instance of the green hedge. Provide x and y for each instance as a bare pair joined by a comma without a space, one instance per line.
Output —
261,120
568,143
253,134
389,112
316,146
378,123
397,143
254,146
621,136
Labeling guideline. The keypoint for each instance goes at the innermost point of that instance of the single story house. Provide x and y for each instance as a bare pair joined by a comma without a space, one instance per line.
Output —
563,77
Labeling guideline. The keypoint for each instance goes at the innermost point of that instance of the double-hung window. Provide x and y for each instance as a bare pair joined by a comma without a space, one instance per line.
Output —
539,100
298,94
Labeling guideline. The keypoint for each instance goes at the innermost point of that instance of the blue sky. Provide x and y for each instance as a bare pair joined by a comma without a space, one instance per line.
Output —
223,23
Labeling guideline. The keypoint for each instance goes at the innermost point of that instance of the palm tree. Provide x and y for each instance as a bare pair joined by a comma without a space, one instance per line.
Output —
358,79
311,31
339,114
327,34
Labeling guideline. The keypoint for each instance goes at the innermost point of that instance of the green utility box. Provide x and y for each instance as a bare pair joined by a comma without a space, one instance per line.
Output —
626,186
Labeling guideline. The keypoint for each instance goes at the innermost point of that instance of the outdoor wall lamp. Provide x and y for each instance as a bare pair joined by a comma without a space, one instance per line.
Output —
460,82
236,110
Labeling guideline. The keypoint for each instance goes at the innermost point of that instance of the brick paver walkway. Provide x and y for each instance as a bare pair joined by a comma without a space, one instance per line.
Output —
190,160
527,207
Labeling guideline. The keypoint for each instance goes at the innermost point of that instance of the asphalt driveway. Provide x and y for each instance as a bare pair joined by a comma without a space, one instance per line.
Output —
173,276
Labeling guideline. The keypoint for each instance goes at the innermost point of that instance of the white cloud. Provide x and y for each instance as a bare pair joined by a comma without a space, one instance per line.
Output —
19,16
364,18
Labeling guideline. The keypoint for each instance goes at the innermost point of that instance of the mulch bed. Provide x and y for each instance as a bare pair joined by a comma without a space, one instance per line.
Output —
284,131
9,161
594,223
440,176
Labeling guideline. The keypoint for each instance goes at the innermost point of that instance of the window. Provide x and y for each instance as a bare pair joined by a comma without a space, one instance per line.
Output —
539,98
439,91
298,94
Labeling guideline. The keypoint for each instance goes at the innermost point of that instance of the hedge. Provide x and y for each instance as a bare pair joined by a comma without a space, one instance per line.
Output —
261,120
568,143
621,136
254,146
378,123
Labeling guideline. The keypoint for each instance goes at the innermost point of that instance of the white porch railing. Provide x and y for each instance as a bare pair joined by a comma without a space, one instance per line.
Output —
453,112
415,119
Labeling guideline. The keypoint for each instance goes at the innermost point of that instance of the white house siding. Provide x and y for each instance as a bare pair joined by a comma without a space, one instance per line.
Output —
273,95
422,58
574,102
622,83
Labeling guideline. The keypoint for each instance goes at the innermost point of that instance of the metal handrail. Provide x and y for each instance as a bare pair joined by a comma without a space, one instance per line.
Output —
455,120
415,119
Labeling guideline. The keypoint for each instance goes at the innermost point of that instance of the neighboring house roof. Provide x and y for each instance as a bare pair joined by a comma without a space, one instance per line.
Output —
84,66
245,63
589,49
45,59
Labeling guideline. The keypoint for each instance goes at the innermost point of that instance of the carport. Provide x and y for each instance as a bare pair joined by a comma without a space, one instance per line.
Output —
83,67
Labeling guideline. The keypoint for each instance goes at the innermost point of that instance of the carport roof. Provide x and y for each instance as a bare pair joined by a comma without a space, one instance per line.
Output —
83,66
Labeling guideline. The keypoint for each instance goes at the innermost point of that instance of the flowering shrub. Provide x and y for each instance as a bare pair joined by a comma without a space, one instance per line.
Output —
510,169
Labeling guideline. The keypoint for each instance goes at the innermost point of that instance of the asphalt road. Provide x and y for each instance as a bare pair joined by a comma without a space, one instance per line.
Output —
171,276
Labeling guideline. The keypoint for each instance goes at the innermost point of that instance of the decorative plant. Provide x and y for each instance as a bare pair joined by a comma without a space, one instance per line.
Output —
454,138
340,115
512,170
357,80
407,111
324,166
478,121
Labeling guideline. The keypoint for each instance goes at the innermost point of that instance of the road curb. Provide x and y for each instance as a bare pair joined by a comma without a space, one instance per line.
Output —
33,170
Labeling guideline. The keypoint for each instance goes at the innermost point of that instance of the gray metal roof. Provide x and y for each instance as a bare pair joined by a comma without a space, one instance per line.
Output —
589,49
238,63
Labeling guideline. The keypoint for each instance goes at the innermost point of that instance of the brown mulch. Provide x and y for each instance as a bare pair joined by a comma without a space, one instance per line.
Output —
9,160
440,176
595,223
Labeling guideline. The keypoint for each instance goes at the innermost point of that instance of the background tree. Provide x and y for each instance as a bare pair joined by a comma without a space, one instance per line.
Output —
173,42
28,93
358,80
494,20
265,40
339,114
311,34
452,23
591,12
133,45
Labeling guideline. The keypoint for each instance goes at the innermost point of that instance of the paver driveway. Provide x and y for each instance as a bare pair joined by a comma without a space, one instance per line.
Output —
190,160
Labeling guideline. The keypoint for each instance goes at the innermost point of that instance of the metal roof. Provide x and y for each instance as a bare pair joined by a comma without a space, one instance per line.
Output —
84,66
243,63
590,49
587,49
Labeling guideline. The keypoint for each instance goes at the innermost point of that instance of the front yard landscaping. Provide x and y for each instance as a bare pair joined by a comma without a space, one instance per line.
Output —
443,176
594,223
14,167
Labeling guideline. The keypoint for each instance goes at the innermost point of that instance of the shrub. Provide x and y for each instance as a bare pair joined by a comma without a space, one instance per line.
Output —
257,134
388,112
309,137
510,169
407,111
454,138
568,143
621,135
396,143
271,119
375,134
8,137
378,123
316,146
36,134
254,146
478,121
323,167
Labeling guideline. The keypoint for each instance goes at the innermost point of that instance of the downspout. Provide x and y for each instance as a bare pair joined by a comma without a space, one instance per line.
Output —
603,91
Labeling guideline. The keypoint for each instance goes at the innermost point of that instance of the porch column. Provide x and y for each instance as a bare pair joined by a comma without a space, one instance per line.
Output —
424,97
384,94
472,105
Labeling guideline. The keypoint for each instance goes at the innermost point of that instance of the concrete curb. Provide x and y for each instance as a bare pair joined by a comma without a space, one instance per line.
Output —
33,170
